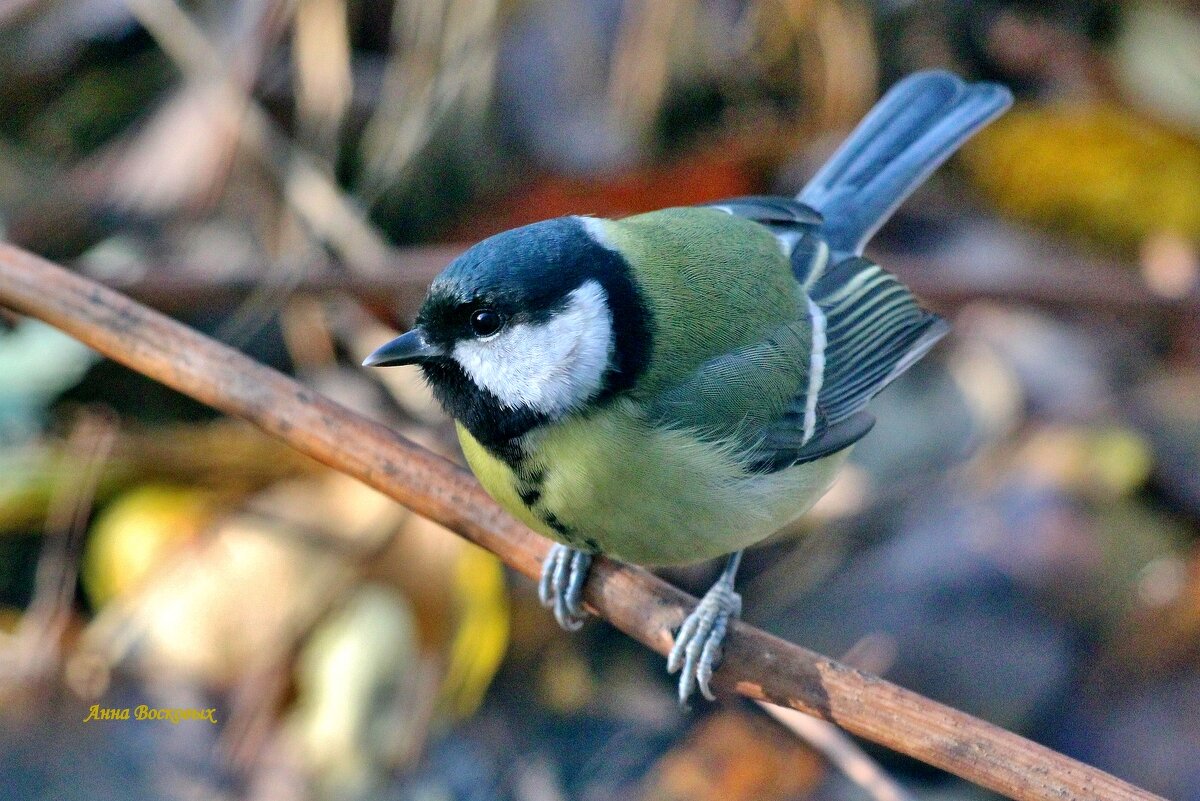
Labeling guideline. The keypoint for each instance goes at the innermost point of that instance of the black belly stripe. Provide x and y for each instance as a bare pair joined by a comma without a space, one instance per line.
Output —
562,529
511,452
528,482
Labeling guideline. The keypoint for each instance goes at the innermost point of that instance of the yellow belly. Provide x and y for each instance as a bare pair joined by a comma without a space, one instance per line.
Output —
611,482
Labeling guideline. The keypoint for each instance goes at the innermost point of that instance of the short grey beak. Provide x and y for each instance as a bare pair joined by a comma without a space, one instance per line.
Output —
410,348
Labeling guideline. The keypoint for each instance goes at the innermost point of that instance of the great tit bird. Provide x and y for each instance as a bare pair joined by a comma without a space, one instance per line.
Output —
678,385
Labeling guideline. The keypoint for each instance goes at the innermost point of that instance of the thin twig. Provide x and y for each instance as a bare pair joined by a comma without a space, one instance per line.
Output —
306,188
35,646
837,747
756,664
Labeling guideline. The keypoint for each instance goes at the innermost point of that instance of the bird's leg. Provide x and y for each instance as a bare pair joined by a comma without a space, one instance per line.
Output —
561,588
698,642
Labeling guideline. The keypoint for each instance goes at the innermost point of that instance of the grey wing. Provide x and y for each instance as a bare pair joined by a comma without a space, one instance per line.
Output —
748,399
784,444
735,397
866,327
865,330
873,332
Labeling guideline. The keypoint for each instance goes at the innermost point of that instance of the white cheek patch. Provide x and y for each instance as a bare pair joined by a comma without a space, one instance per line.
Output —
552,367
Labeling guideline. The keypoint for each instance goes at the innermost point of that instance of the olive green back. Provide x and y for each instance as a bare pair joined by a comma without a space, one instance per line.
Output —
714,283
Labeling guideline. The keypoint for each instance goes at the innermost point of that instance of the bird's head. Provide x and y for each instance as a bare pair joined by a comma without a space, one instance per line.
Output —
527,327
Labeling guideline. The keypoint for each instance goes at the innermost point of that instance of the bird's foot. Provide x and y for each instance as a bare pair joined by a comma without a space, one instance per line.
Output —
697,646
561,587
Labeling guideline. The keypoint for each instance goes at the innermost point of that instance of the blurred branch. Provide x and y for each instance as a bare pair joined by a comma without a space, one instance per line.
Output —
324,77
1060,283
306,187
756,664
33,652
641,68
1055,282
223,455
441,58
14,10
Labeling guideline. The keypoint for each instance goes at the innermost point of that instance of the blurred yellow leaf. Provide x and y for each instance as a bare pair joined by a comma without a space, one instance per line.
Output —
1095,171
481,639
136,533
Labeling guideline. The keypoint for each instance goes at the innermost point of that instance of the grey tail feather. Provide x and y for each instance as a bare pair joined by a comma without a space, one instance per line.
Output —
909,133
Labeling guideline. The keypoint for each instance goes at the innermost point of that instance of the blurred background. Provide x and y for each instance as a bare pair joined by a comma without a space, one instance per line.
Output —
1017,538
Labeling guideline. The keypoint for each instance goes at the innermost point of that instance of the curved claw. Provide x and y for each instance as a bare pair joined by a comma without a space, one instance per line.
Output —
697,649
564,573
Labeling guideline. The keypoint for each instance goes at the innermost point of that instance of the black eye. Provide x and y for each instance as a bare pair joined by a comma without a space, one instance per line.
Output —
485,322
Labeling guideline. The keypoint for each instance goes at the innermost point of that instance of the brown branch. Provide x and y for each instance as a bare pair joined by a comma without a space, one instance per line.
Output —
756,664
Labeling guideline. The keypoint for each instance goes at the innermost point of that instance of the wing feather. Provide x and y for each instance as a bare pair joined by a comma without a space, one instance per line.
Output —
863,329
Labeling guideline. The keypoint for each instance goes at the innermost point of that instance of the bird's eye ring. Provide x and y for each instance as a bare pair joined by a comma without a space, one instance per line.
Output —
485,322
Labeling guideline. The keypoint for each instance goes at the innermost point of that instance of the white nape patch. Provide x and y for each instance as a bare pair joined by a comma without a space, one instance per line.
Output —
595,228
816,370
552,367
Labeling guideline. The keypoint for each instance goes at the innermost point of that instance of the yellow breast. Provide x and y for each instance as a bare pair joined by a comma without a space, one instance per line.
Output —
611,482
